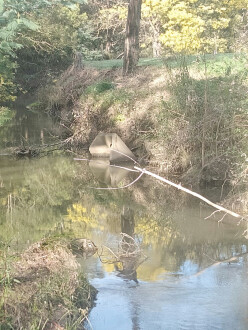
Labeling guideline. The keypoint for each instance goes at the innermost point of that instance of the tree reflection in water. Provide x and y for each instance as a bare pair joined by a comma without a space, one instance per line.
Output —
129,264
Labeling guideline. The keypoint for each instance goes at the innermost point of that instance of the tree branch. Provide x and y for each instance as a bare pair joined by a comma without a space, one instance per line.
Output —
178,186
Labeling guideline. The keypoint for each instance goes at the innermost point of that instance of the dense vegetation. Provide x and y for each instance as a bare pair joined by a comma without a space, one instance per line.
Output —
43,35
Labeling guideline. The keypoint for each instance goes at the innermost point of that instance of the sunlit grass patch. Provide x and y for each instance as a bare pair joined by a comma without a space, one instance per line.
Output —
216,63
99,87
117,63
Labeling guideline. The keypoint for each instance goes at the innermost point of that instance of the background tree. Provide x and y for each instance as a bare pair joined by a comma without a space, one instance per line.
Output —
10,23
150,33
193,26
38,35
62,33
109,20
131,50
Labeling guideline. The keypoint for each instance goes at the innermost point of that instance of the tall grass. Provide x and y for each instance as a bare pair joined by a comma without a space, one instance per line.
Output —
43,288
208,106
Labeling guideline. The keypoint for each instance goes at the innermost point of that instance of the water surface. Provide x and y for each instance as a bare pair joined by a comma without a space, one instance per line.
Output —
180,285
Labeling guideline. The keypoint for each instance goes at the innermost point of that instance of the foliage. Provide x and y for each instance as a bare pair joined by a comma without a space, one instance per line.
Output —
7,86
30,33
109,20
12,22
41,37
205,105
195,25
62,31
100,87
5,115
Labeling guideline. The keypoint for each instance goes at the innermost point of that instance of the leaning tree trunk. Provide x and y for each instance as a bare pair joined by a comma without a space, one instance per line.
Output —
131,50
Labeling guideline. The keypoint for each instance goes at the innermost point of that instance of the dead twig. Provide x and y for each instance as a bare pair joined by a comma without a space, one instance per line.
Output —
216,211
111,251
129,253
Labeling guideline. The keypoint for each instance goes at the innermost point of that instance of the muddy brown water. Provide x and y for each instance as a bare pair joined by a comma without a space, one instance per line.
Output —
181,284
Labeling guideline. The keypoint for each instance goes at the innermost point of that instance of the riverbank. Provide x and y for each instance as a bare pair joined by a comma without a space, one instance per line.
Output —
54,194
185,116
43,288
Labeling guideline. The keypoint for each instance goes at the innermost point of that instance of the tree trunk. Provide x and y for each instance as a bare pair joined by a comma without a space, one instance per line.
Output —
156,45
131,50
77,61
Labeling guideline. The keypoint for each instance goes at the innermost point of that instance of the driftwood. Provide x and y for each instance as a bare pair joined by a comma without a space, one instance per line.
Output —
128,257
33,151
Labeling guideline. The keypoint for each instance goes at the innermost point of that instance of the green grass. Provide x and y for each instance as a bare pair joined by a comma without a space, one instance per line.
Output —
218,64
110,64
99,87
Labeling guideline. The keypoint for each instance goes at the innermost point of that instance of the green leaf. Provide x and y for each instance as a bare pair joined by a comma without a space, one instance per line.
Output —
5,115
8,13
12,26
29,24
1,6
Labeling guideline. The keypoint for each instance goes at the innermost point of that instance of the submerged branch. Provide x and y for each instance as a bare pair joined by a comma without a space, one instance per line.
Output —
218,262
178,186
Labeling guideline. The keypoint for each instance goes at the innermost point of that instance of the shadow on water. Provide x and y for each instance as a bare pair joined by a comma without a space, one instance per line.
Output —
28,127
181,285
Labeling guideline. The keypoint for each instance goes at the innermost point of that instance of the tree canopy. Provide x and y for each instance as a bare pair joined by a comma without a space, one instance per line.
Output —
194,26
41,35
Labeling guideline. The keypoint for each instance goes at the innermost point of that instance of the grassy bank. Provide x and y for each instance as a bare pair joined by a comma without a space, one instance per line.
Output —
43,288
185,115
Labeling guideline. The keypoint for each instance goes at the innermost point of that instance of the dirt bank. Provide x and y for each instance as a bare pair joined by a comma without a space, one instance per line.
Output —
43,288
180,120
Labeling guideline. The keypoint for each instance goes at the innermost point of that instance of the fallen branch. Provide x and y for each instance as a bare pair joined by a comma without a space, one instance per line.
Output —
109,260
178,186
218,262
35,150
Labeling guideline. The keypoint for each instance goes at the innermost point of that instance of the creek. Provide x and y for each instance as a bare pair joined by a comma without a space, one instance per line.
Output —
180,285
